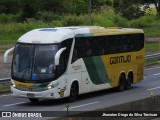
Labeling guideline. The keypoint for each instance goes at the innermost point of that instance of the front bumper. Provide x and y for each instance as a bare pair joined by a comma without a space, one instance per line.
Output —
47,94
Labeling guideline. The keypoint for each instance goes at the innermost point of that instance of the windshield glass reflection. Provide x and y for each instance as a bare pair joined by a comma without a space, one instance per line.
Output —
34,62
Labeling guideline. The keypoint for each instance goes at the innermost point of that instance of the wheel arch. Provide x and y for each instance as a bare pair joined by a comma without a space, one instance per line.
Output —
73,91
75,81
122,73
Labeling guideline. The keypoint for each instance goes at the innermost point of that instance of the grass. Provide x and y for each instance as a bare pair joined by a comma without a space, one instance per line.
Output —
152,31
4,87
152,46
11,38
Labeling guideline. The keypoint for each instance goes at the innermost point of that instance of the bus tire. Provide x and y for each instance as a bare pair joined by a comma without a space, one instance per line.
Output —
121,84
128,82
73,92
33,100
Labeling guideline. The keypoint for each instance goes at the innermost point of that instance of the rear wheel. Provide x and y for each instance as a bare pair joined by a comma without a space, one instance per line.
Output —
128,82
33,100
73,92
121,84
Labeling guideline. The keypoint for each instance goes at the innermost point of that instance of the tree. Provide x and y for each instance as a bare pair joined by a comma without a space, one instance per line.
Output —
157,4
52,5
30,8
10,6
76,6
99,3
128,9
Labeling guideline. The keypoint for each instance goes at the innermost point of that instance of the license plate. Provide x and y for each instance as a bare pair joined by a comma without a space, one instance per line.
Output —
30,94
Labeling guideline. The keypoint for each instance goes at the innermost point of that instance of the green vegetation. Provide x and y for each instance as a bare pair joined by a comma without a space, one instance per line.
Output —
17,17
152,31
10,30
152,46
4,87
151,11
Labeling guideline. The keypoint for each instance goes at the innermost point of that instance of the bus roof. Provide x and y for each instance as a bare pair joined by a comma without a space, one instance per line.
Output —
59,34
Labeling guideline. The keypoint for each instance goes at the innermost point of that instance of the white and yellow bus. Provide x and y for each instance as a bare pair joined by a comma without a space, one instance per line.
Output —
53,63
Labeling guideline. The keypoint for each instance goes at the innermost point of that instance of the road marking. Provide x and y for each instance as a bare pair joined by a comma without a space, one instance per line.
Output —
82,105
157,74
14,104
154,88
5,95
152,68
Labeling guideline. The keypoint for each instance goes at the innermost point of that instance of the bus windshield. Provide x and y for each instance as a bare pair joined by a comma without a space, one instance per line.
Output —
34,62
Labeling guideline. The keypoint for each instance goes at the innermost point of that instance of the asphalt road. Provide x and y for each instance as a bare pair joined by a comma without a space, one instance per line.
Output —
91,101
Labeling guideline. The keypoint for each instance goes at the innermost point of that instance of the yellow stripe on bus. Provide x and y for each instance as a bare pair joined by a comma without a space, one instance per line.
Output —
23,85
102,32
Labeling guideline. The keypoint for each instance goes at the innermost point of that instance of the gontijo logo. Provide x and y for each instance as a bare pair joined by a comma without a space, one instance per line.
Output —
120,59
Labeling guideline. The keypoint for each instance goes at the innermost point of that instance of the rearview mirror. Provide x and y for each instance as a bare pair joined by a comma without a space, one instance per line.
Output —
58,54
6,54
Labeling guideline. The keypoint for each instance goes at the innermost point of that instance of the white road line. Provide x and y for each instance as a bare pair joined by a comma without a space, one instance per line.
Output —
152,68
154,88
157,74
5,95
14,104
82,105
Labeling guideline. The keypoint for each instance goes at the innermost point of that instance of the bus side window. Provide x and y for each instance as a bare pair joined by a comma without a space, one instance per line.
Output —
75,55
87,48
89,52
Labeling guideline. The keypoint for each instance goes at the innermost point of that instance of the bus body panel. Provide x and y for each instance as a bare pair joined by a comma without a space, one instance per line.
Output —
136,65
77,70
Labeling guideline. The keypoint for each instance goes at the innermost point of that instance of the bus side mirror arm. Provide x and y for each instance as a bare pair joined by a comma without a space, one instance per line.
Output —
58,54
6,54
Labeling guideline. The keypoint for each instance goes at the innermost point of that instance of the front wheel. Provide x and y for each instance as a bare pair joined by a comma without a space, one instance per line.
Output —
73,92
33,100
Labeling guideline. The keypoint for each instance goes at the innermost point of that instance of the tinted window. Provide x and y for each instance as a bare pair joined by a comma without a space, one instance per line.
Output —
101,45
64,57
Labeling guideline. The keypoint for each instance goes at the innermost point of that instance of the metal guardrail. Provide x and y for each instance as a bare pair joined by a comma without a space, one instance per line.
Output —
152,55
5,81
149,59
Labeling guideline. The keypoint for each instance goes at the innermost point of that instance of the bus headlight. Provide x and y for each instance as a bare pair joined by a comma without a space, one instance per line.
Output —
52,86
13,85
